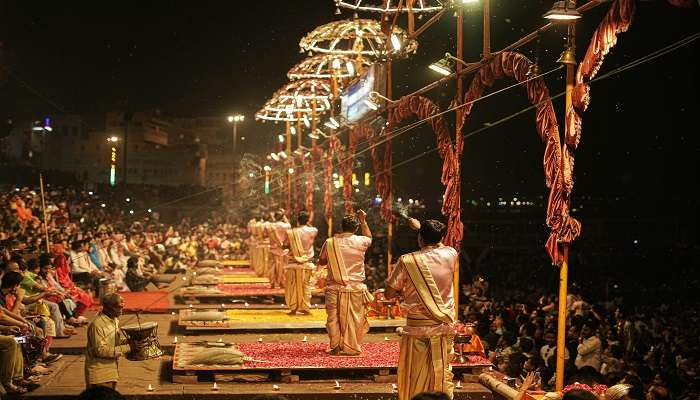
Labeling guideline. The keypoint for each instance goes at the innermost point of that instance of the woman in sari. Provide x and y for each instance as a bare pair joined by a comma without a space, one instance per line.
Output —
81,297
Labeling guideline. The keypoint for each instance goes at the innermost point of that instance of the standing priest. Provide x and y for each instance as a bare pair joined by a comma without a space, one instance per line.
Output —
297,291
425,281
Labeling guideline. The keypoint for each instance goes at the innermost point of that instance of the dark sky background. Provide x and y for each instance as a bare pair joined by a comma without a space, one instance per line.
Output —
210,58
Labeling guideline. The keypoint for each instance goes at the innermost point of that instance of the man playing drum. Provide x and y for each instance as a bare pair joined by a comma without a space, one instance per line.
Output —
105,344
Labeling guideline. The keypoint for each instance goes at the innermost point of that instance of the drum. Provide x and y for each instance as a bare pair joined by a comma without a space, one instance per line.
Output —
143,341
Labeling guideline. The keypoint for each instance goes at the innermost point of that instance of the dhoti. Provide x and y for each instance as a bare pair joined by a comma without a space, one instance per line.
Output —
297,291
424,365
347,320
11,360
276,271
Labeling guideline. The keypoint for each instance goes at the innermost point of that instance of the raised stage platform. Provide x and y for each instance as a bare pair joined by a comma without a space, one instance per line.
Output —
275,361
270,319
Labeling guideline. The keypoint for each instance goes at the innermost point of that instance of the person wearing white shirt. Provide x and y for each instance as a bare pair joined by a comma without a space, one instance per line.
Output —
589,348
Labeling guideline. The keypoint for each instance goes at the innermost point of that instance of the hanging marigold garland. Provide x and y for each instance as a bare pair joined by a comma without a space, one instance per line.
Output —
333,144
382,174
309,171
424,108
516,65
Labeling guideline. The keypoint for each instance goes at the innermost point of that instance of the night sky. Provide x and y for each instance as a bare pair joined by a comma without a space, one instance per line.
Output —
211,58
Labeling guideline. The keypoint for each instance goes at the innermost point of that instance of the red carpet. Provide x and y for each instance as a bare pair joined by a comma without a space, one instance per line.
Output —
152,302
299,355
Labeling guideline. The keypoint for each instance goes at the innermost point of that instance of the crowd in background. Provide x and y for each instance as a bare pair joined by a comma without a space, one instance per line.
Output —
54,265
641,330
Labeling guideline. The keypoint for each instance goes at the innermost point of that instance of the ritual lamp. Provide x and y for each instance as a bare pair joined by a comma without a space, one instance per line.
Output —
563,11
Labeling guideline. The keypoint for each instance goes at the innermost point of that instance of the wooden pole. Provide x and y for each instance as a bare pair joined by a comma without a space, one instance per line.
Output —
564,268
390,225
487,30
314,125
458,115
288,143
43,207
299,130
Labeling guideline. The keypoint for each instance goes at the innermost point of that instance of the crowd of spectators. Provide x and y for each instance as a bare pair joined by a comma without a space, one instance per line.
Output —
54,265
616,338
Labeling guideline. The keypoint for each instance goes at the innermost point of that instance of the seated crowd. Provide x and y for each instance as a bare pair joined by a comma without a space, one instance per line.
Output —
46,289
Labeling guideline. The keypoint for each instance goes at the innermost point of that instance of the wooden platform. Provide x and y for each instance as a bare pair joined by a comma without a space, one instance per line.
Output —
227,263
67,381
242,292
294,361
230,279
271,319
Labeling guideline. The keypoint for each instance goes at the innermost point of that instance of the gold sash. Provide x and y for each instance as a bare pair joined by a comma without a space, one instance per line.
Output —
426,287
296,246
336,262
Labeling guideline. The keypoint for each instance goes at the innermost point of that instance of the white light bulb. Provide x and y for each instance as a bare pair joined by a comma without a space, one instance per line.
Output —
395,42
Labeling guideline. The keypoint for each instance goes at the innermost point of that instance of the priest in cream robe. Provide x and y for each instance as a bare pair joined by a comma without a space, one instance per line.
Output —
424,280
346,292
297,291
279,251
105,344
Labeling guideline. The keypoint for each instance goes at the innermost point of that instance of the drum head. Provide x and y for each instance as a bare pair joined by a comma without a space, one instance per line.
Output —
143,326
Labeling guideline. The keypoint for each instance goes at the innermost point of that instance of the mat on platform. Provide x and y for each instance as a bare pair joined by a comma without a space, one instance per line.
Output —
303,356
245,271
236,263
265,319
233,279
153,302
235,291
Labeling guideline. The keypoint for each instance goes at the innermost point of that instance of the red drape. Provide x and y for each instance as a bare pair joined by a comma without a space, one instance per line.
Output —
382,173
309,171
333,143
516,65
424,108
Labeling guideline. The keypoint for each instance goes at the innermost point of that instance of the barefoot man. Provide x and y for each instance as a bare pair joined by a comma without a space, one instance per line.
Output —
297,291
424,279
278,248
346,292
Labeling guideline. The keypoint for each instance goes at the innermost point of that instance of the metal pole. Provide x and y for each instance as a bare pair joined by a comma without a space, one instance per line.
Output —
43,206
487,29
564,268
288,140
126,147
235,136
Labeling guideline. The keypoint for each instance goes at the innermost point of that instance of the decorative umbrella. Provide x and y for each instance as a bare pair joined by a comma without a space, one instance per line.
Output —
392,6
327,66
361,37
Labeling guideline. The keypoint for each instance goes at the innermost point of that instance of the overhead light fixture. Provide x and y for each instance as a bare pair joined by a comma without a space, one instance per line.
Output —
281,138
563,11
334,122
275,156
267,168
443,66
567,57
336,63
371,105
305,119
307,154
292,130
350,67
290,170
395,42
314,136
282,154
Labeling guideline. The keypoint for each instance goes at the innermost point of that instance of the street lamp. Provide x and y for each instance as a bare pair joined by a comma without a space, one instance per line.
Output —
235,119
113,139
445,65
